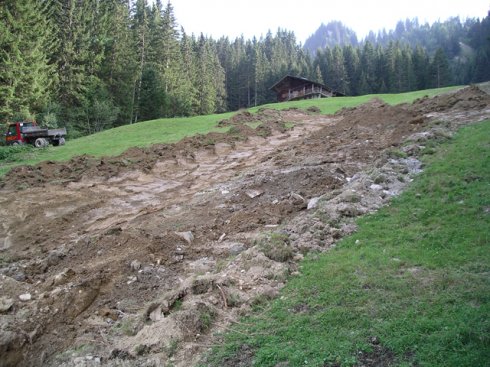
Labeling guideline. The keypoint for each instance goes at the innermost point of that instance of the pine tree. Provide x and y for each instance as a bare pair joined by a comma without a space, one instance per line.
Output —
439,70
340,80
186,95
352,66
318,75
420,67
120,64
25,70
140,29
205,88
368,69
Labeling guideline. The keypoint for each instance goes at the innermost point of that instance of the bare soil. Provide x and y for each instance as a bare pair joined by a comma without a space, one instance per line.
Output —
139,259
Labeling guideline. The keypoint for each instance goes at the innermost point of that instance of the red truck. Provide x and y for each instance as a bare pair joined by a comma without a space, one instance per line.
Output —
30,133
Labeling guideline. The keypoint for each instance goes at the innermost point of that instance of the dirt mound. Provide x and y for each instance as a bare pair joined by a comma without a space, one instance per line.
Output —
470,98
139,259
81,167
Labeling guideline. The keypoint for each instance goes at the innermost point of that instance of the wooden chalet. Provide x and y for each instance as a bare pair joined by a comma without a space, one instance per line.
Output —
292,88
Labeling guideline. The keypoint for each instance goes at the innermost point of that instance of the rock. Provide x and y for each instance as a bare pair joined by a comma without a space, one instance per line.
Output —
313,203
19,276
25,297
54,257
186,236
63,277
376,187
236,249
253,193
6,304
297,198
135,265
156,314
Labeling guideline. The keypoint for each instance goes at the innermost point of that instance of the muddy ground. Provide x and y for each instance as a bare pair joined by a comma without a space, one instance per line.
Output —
140,259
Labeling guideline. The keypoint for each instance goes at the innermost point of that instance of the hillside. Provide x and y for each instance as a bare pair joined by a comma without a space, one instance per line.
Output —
330,35
141,258
115,141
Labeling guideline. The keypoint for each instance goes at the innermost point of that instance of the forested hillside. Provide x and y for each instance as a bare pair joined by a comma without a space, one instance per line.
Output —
94,64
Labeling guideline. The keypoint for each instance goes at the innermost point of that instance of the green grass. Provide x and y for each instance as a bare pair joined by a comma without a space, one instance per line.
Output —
416,276
332,105
115,141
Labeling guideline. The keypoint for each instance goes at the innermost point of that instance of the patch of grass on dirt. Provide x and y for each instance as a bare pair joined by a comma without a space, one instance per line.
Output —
411,287
276,247
253,125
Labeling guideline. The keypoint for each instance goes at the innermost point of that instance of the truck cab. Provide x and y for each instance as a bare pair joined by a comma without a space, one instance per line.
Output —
14,135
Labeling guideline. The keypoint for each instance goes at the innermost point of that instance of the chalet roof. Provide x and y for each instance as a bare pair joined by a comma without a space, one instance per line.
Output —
289,79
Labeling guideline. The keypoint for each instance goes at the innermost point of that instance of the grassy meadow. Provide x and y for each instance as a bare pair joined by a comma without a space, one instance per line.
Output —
115,141
410,288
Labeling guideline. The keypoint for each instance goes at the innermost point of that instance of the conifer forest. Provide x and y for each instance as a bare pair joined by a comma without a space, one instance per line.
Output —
91,65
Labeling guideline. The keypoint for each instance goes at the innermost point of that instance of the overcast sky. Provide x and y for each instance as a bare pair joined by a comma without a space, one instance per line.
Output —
233,18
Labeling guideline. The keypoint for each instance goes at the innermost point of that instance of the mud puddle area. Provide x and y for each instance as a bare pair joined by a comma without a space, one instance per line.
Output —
140,259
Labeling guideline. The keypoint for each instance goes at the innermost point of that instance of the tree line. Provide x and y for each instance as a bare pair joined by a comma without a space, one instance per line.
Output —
95,64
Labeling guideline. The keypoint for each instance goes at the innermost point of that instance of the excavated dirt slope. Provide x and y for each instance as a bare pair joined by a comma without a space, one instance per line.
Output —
139,259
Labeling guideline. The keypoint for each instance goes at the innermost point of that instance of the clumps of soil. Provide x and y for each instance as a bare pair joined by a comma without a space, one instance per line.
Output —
465,99
268,119
83,166
377,357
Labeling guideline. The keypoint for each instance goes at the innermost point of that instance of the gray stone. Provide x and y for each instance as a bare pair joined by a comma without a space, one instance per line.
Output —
25,297
253,193
6,304
64,276
313,203
186,236
236,249
135,265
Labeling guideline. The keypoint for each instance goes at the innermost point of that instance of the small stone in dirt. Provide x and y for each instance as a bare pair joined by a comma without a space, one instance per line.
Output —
54,258
253,193
25,297
135,265
63,277
376,187
156,314
186,236
236,249
297,198
131,280
6,304
312,203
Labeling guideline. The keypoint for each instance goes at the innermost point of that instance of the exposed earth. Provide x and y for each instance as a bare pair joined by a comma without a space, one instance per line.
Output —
140,259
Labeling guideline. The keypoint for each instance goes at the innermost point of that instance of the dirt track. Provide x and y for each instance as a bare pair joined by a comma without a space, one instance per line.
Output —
139,258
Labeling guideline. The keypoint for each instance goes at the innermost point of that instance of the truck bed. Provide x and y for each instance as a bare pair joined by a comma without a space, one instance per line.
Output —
35,131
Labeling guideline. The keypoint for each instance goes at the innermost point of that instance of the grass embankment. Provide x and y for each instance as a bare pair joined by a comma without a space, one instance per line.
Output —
410,288
115,141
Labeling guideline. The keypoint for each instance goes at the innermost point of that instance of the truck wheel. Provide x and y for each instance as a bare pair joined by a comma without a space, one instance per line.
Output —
15,144
40,143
